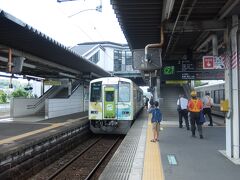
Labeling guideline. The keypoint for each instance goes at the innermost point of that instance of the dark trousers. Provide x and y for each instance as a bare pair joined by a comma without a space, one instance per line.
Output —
209,113
194,120
183,113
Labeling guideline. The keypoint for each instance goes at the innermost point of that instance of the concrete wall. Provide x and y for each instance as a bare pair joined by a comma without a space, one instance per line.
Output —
19,107
60,107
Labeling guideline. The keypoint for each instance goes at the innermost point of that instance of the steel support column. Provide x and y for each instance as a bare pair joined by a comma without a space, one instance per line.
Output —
228,95
235,88
157,89
155,84
232,82
69,87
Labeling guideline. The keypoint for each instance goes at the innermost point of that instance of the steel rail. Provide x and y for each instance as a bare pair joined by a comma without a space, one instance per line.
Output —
73,159
101,160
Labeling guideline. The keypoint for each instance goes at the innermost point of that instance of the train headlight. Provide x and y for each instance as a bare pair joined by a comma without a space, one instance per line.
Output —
94,112
125,113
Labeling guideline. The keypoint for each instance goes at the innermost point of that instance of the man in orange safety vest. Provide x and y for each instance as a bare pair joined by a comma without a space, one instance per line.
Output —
195,105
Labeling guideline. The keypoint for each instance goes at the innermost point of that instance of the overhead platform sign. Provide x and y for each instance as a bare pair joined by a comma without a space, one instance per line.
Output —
189,70
213,62
52,82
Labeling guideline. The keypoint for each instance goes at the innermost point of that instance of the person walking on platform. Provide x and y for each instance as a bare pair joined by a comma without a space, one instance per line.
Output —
182,111
146,102
156,119
150,103
195,105
207,105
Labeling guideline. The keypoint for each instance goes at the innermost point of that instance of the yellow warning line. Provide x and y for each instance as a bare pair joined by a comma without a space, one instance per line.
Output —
14,138
153,169
54,125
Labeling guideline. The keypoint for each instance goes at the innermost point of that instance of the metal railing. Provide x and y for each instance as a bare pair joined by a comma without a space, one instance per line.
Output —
50,92
44,96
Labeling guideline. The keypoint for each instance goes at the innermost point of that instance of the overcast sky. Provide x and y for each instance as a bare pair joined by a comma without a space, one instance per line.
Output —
52,18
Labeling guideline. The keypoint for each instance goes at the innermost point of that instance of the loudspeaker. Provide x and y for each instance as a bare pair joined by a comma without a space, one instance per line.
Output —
17,65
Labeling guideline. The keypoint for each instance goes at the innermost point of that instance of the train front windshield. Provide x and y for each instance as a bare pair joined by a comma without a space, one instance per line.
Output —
124,91
96,92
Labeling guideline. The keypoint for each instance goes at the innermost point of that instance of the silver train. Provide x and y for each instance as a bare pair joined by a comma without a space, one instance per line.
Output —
113,105
217,92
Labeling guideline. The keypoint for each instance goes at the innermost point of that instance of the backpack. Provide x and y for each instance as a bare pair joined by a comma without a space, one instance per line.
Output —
202,118
157,114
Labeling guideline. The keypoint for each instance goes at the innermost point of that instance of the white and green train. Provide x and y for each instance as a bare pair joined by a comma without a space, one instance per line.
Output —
114,103
217,92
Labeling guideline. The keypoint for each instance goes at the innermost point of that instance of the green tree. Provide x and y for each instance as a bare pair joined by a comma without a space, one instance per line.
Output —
3,97
19,93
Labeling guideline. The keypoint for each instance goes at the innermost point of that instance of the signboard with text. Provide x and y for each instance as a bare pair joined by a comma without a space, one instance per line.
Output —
213,62
187,70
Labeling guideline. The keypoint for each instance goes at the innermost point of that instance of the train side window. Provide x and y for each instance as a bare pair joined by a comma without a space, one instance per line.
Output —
199,94
96,92
139,96
222,94
207,92
124,92
216,99
212,94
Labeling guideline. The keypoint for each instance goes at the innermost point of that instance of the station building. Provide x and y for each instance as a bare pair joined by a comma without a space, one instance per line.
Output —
108,55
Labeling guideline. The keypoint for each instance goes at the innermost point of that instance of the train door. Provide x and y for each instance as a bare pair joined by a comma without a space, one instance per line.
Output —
109,103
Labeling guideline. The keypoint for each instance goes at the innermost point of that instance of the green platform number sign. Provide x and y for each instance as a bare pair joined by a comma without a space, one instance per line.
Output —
168,70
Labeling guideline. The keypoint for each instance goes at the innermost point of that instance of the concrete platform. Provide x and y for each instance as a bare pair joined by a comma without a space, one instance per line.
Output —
196,158
182,156
17,133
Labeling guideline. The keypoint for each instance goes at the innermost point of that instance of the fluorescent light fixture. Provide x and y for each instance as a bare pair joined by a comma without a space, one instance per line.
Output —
66,75
34,77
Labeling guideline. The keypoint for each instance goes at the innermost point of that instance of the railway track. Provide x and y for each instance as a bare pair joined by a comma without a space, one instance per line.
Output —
85,163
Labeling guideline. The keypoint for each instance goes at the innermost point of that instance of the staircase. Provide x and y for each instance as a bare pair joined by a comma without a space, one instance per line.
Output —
168,101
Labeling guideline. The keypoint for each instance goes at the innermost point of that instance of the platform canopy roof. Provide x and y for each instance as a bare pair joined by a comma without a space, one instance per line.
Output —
186,23
44,56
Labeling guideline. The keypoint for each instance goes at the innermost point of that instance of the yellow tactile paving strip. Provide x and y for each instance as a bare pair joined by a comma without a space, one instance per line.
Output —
152,162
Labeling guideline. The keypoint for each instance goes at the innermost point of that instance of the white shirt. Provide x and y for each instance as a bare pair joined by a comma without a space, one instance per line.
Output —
207,102
183,102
